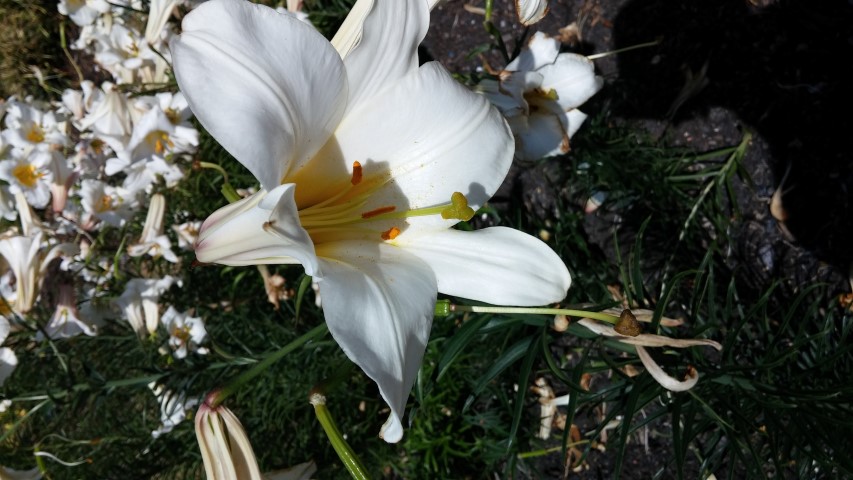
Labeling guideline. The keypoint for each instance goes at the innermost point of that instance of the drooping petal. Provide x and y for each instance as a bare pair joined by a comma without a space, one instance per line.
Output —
261,229
388,49
495,265
663,378
647,339
349,34
573,77
379,303
428,137
267,86
530,11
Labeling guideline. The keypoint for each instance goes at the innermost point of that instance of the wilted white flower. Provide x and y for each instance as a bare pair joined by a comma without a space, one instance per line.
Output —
530,11
648,340
173,408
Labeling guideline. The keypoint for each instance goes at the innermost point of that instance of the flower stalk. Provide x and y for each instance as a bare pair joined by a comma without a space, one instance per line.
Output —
217,398
345,452
444,308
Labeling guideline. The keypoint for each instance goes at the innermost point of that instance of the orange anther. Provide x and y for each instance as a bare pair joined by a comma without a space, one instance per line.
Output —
356,173
391,233
378,211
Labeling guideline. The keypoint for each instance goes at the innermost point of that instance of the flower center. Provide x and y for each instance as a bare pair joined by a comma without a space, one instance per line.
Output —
181,333
27,174
348,209
159,140
104,204
35,133
173,116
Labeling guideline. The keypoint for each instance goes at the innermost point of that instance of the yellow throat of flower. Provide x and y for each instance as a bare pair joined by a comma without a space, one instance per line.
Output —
347,210
27,174
35,133
159,141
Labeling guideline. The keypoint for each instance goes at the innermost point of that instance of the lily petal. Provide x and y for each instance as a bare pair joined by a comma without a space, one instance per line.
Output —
573,77
541,50
349,34
541,135
429,124
387,50
663,378
379,303
530,11
279,79
261,229
495,265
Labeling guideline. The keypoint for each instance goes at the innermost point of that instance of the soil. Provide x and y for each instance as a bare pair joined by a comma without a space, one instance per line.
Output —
779,69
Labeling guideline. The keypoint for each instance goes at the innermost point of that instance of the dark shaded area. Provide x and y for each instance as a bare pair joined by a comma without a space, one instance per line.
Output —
784,70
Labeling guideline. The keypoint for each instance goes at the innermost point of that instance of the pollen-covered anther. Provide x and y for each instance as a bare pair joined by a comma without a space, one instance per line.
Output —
378,211
356,173
391,233
458,208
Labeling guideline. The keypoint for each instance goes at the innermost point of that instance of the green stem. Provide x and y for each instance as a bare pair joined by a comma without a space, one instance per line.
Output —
604,317
347,455
261,366
227,190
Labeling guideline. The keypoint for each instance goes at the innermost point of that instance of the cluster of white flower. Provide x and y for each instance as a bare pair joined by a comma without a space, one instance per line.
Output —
93,161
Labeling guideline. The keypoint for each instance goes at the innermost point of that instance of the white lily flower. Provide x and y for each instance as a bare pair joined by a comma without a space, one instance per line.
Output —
225,448
173,408
649,340
187,234
83,12
111,205
358,159
139,303
29,127
539,93
107,116
24,256
8,359
126,54
186,333
29,172
65,322
530,11
153,241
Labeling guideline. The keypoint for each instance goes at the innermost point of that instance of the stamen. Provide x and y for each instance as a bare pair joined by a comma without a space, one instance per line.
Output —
378,211
459,209
391,233
356,173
